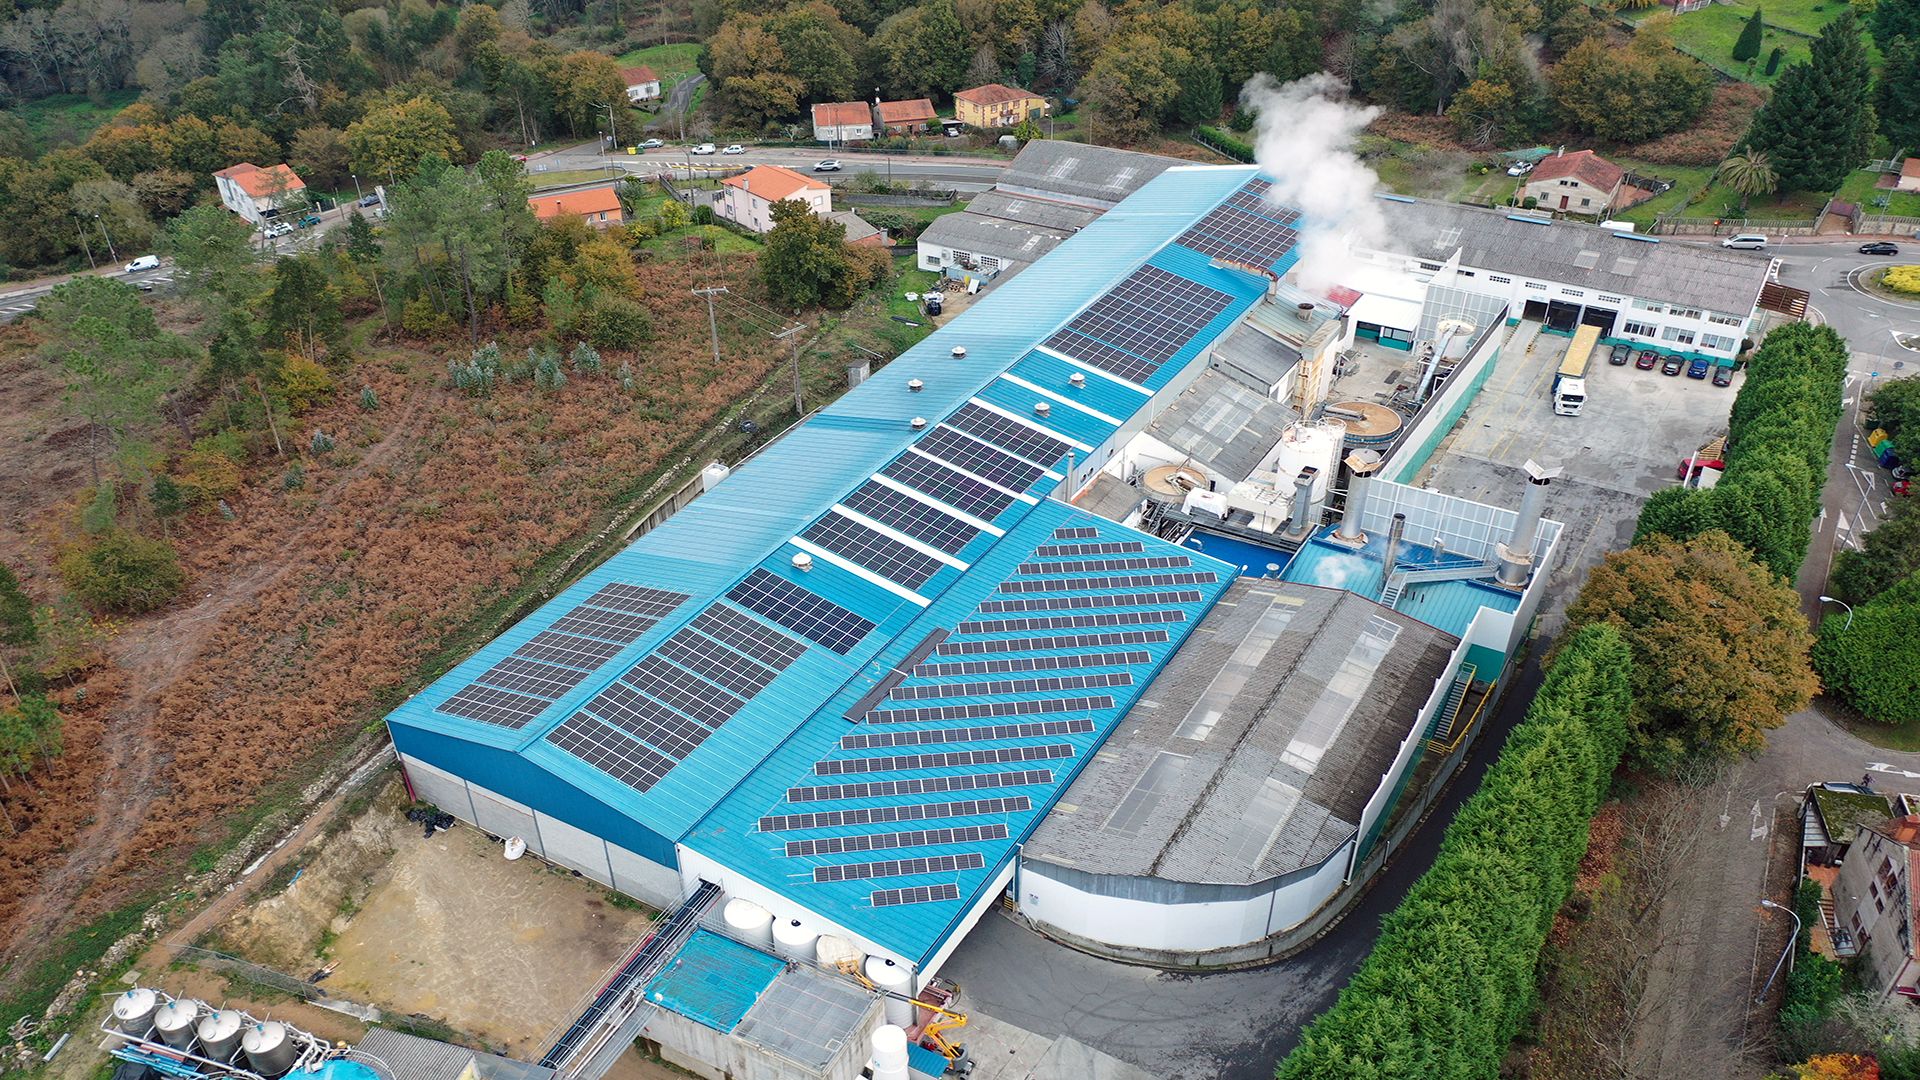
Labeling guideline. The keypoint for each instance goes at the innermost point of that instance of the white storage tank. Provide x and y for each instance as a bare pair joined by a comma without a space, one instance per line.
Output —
711,476
835,951
889,1053
220,1034
749,922
174,1022
896,980
1318,444
793,940
133,1010
1455,336
270,1048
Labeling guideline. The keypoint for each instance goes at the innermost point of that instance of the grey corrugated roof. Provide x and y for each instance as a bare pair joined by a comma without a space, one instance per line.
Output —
1045,213
1254,358
408,1057
1223,424
1010,241
1096,176
858,228
1586,256
1282,700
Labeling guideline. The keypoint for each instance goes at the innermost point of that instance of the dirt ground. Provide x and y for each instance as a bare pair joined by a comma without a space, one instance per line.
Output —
444,928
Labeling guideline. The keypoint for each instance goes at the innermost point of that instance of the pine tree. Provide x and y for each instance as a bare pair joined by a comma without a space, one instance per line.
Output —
1773,60
1897,95
1748,46
1820,123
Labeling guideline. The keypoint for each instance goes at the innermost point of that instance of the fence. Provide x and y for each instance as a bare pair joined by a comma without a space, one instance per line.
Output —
1679,226
243,971
929,198
1888,225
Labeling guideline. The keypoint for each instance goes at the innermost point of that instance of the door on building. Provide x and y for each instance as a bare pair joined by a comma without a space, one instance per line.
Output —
1562,316
1563,202
1534,311
1600,317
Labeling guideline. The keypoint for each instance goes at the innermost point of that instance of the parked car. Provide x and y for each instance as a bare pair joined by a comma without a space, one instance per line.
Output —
704,148
144,262
1746,242
371,198
734,148
1619,356
652,144
1672,366
1520,168
277,229
829,165
1879,247
1646,360
307,221
1698,368
1723,376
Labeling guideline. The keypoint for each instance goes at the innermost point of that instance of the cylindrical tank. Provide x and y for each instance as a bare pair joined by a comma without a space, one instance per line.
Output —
889,1053
175,1020
270,1048
220,1034
835,951
793,940
1317,445
896,980
1169,484
1367,423
749,922
133,1010
1455,335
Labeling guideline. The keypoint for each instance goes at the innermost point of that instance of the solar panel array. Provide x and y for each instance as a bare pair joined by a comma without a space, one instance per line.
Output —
1018,437
973,455
813,617
934,480
1245,229
874,550
904,513
513,692
1029,663
918,894
1140,324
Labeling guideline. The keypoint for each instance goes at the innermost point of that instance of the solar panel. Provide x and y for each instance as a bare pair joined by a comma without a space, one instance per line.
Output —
836,845
926,864
963,493
1081,566
1029,663
1131,581
1101,355
952,759
881,789
990,733
1150,316
637,599
906,514
1114,547
1237,232
813,617
705,656
619,626
568,649
882,815
933,713
1016,438
770,647
1069,622
618,755
1067,641
683,690
987,463
873,550
1001,687
642,717
532,677
919,894
1075,532
1085,600
497,707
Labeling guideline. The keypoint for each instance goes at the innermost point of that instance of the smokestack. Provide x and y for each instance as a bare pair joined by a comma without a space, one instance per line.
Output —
1302,502
1394,532
1361,464
1516,555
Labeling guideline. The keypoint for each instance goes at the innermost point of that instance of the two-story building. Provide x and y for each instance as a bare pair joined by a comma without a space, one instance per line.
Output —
748,199
256,193
909,117
1582,182
1873,904
642,84
997,106
843,121
597,206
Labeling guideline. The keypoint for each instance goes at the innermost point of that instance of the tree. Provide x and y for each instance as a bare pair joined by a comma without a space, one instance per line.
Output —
1895,406
214,255
321,156
1871,657
1896,98
583,84
1749,173
1896,19
390,140
123,572
805,264
17,628
303,309
1888,555
1133,84
1819,124
1719,645
1751,37
1630,95
116,360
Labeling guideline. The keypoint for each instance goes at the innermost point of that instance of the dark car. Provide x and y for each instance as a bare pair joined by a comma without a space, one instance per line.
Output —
1697,369
1723,376
369,199
1619,356
1879,247
1646,360
1672,365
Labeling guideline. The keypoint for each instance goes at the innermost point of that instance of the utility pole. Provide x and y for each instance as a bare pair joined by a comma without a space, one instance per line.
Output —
791,335
712,323
111,250
82,230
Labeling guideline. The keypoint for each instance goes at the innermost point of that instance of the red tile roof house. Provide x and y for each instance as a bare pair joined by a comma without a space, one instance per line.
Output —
748,198
843,121
904,117
642,84
1582,182
256,193
597,206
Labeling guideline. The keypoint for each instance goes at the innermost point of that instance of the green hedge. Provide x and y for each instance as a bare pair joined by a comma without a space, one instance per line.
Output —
1778,442
1451,978
1814,985
1872,658
1226,142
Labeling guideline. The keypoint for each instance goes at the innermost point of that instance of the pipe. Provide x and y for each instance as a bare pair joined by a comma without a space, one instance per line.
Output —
1516,555
1394,532
1356,503
1302,502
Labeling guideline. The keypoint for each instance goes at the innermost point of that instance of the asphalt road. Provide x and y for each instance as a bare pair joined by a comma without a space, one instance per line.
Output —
965,173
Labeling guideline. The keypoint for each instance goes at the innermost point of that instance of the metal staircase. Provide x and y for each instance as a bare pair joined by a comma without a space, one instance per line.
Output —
1442,734
1843,944
1398,581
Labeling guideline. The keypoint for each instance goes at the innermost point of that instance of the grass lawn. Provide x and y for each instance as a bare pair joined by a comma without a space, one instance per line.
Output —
1710,33
562,177
1688,182
1495,186
671,62
724,241
1860,191
1721,202
67,119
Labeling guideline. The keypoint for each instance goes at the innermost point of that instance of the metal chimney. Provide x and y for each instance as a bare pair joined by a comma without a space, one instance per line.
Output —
1361,463
1516,554
1302,502
1395,531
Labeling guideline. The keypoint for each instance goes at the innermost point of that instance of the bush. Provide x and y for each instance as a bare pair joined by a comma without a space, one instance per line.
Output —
421,319
615,322
123,572
703,214
1773,59
304,383
1230,145
1871,659
1902,279
1814,986
1451,979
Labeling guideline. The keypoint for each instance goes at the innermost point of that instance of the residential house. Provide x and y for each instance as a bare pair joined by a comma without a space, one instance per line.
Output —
843,121
1582,182
1831,816
860,232
642,84
597,206
256,193
748,198
1909,175
1872,905
997,106
903,117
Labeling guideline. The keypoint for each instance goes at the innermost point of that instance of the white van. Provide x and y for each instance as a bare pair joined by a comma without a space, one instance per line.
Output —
1746,242
144,262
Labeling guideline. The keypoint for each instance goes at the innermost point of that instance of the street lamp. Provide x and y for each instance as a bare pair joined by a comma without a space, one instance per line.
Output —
1783,952
357,195
1848,625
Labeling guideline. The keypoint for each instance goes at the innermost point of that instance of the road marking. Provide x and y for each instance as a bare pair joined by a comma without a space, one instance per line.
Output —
1883,767
1760,824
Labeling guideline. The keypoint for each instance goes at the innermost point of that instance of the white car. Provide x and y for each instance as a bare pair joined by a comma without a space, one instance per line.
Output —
144,262
703,149
652,144
277,230
736,148
1520,168
829,165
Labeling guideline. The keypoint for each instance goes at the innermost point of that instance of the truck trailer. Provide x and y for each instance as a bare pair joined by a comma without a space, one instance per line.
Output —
1570,382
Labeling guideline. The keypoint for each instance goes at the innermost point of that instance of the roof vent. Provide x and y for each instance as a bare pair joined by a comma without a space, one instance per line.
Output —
917,423
959,352
802,561
1041,408
1077,379
914,386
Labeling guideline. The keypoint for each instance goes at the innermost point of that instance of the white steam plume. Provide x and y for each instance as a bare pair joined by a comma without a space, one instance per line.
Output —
1303,139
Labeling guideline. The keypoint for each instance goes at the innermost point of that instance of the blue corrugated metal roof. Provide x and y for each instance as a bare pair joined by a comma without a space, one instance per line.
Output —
714,980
